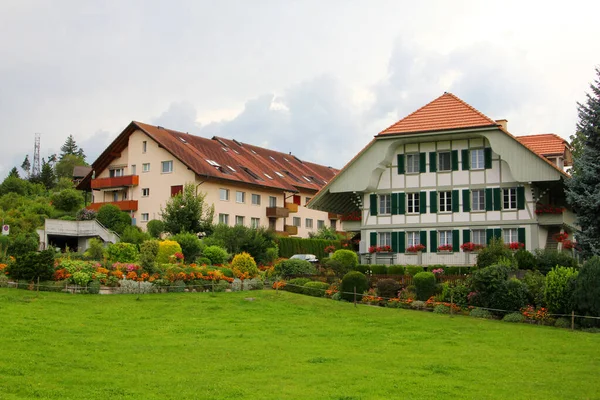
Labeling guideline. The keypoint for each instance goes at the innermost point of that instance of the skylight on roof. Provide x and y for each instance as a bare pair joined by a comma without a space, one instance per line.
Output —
308,180
213,163
235,151
268,176
231,168
279,174
252,174
253,152
286,159
225,148
182,139
271,157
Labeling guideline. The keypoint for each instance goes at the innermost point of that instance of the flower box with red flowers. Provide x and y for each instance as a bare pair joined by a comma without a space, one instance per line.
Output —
353,216
416,248
561,237
379,249
445,247
548,209
569,244
515,245
470,246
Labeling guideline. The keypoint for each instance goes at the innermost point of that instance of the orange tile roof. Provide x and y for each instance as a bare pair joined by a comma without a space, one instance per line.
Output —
545,144
447,112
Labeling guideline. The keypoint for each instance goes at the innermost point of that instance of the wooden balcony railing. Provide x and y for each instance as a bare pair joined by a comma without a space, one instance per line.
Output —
291,229
118,181
125,205
277,212
293,208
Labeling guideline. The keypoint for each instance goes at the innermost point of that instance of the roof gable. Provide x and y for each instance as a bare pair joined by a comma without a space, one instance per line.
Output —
447,112
544,144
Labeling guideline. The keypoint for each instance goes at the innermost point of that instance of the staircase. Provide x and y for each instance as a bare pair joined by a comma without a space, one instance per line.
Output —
551,243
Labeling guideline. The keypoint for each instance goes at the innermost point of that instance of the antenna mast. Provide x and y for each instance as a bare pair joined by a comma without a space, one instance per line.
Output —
36,170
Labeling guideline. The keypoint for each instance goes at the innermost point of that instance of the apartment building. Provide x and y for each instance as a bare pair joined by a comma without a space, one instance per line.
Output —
248,185
447,175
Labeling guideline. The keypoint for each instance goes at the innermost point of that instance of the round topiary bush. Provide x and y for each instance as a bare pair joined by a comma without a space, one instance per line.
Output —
388,288
413,269
166,249
217,255
425,285
347,258
514,317
155,227
244,263
296,285
122,252
315,289
293,267
203,261
362,268
352,280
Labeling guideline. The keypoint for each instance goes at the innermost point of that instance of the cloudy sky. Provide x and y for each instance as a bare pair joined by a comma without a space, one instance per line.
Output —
315,78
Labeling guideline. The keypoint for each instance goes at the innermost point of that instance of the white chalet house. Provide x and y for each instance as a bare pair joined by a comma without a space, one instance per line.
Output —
444,176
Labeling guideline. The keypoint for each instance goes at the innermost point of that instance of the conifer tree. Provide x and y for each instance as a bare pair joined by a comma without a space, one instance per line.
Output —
26,166
583,189
14,173
47,176
70,147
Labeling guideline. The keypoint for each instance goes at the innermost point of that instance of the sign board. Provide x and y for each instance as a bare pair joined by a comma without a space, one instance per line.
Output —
5,229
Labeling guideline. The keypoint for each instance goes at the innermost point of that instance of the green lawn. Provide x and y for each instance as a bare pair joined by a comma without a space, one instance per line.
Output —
279,346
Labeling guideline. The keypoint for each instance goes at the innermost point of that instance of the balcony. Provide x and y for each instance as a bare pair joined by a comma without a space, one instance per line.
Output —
351,226
333,216
291,229
567,217
293,208
117,181
277,212
125,205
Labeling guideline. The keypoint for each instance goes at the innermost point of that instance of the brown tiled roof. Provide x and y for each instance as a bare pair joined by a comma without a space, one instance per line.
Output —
447,112
225,159
546,144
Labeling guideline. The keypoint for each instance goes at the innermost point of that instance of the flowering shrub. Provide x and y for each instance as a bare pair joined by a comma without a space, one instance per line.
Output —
245,265
416,248
329,249
333,289
470,246
379,249
2,268
568,244
438,271
279,284
515,245
561,237
166,249
445,247
539,314
548,209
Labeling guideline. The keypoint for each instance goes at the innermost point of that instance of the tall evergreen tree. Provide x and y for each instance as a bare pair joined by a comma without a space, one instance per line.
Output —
583,189
70,147
26,166
14,173
47,176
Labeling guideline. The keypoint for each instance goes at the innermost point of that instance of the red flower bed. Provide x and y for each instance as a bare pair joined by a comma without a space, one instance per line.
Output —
548,209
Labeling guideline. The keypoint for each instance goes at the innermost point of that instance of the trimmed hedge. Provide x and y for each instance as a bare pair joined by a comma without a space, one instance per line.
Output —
351,280
379,269
396,270
290,246
296,285
425,285
315,289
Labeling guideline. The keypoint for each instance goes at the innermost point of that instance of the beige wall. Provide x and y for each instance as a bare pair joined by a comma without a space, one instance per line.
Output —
160,190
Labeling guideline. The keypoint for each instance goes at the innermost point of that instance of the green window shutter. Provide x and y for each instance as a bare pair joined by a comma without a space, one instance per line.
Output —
497,199
466,200
423,240
455,240
401,203
455,201
433,241
466,235
373,201
454,160
400,164
489,234
433,162
465,159
521,198
422,162
394,203
498,233
432,202
488,200
487,158
401,242
521,235
395,242
373,241
422,202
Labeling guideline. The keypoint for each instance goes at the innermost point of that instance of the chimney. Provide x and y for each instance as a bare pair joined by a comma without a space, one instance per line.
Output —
503,123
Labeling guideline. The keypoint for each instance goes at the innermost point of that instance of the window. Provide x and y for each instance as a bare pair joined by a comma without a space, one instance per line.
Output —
333,224
412,163
413,203
224,194
320,224
413,239
254,223
308,222
239,220
444,161
307,200
116,172
445,238
385,203
144,146
115,196
478,200
145,192
510,199
510,235
296,221
385,239
167,167
240,197
146,167
145,217
133,169
272,201
256,199
446,201
478,237
175,190
477,159
224,219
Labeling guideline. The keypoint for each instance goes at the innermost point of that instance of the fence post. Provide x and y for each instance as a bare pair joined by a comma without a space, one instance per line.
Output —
451,304
354,296
572,320
38,288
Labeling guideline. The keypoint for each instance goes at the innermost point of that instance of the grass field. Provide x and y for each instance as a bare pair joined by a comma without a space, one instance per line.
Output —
279,346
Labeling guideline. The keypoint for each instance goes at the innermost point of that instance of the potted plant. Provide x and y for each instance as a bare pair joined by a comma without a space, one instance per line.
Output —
415,249
446,248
